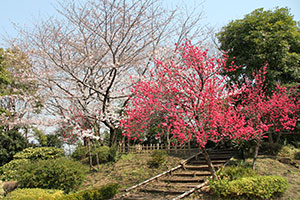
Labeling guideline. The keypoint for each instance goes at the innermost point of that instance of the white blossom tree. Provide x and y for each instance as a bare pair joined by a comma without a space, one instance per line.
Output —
86,57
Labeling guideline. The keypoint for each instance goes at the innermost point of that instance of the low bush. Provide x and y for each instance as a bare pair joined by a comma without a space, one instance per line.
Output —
159,157
34,194
270,148
286,151
106,192
1,190
233,173
80,153
9,171
105,154
257,187
297,155
60,173
43,153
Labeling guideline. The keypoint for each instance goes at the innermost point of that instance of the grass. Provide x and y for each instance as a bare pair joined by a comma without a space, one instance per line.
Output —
129,170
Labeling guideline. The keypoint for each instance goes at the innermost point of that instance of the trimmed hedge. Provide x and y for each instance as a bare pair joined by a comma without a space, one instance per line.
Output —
61,173
263,187
37,153
34,194
9,171
106,192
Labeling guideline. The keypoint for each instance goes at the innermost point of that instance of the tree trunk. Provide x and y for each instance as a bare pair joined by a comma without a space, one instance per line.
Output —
210,165
270,136
112,137
90,154
256,154
278,137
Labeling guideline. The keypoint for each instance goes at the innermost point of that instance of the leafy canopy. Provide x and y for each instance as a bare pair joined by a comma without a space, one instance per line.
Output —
263,37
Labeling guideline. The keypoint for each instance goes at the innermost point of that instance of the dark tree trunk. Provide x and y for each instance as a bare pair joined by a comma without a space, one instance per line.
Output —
210,165
112,137
270,136
255,154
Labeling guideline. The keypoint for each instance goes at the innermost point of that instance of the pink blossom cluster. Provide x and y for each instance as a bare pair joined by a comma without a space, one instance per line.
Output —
190,100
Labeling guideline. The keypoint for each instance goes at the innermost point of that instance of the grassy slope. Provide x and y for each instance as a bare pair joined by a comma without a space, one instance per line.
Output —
129,170
133,168
270,166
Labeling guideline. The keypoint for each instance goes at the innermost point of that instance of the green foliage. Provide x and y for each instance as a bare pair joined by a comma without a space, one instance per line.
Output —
287,151
50,140
257,187
270,148
261,37
1,190
5,76
159,157
105,154
80,154
11,142
233,173
34,194
43,153
297,155
60,173
113,154
243,149
9,171
106,192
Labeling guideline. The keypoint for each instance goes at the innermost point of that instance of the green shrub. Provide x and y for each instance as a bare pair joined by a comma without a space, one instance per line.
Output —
1,190
80,153
263,187
60,173
158,158
9,171
287,151
233,173
106,192
297,155
43,153
113,154
270,148
34,194
105,154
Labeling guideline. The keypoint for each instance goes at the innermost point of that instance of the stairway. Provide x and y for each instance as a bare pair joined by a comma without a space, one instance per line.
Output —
173,183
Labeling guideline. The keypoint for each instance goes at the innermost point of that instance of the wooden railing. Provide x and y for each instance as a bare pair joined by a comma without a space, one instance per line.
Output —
145,149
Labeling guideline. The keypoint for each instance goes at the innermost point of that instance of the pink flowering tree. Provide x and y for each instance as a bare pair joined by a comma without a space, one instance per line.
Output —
266,116
190,98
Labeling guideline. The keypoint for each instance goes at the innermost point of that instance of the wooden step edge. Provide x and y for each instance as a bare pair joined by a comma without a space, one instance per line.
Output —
156,190
183,180
204,173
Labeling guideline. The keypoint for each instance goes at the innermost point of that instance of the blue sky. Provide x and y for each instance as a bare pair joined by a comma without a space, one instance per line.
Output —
217,13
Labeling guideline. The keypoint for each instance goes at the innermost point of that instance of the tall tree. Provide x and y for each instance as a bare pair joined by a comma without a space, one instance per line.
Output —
263,37
190,98
85,58
18,87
